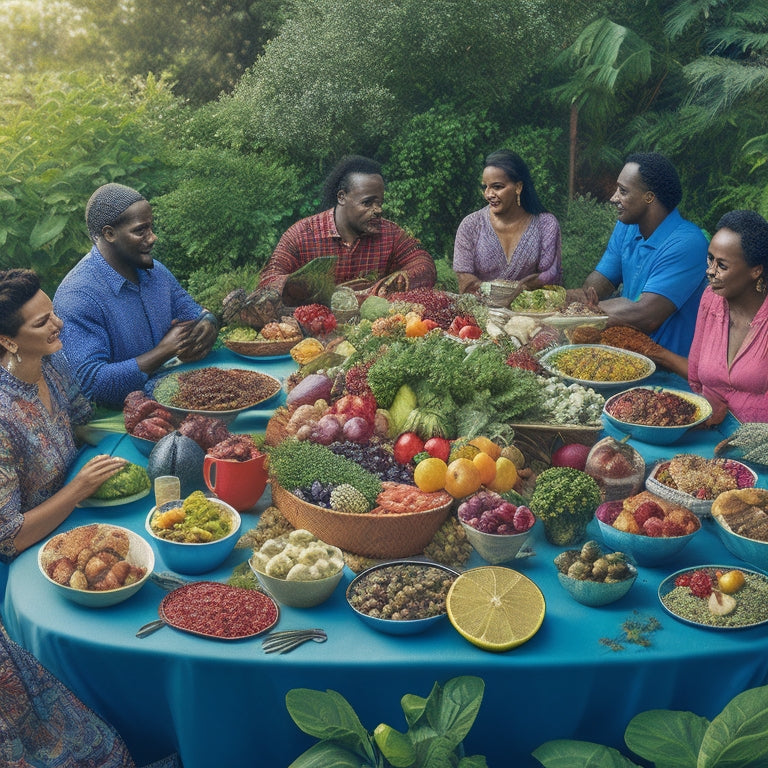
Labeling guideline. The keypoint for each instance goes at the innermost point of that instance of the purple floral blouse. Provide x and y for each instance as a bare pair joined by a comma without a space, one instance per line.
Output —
37,448
477,250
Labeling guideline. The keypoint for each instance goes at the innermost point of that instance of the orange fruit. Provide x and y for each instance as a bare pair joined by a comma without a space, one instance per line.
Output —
462,478
416,327
429,474
495,608
486,446
487,467
506,475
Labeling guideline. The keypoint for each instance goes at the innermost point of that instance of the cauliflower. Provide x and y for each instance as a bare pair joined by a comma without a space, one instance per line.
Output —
301,536
278,566
299,572
273,547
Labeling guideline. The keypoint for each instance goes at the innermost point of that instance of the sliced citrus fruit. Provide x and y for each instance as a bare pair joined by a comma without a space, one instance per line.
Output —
429,475
495,608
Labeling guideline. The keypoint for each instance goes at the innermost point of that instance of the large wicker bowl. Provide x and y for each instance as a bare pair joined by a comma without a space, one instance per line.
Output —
377,536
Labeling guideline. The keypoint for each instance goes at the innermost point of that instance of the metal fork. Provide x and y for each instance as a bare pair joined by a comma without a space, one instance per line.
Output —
286,640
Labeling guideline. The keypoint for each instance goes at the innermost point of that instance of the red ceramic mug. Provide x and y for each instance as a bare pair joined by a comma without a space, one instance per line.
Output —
238,483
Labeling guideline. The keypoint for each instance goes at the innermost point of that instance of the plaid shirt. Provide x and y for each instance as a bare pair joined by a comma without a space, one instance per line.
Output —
388,251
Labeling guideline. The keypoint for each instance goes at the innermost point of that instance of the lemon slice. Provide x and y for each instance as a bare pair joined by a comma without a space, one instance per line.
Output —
495,608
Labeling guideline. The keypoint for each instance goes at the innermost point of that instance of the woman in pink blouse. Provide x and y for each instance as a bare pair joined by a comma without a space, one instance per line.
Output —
513,237
728,361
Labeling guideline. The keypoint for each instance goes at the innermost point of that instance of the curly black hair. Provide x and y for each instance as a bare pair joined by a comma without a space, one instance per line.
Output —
753,230
516,170
338,178
17,287
660,176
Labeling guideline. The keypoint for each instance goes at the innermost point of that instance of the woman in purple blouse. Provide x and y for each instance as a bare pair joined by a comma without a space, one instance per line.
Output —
513,237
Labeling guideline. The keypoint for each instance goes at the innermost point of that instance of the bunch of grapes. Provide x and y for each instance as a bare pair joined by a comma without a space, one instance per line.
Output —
317,318
490,513
318,494
376,459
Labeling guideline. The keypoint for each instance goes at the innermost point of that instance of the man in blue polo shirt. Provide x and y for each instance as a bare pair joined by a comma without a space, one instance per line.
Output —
657,257
125,315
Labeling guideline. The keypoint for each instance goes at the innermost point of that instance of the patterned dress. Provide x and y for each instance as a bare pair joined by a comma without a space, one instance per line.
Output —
37,447
44,725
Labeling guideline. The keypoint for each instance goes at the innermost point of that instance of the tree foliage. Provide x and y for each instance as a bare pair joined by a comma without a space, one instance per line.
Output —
63,136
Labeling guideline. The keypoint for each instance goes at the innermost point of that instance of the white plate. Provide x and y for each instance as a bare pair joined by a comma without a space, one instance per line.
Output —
113,502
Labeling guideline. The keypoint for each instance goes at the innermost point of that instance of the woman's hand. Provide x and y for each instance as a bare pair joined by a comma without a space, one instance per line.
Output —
95,472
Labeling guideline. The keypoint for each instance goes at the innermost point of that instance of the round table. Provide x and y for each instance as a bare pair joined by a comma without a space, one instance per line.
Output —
223,703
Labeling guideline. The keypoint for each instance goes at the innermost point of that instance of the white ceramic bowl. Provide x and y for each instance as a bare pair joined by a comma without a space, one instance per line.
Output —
658,435
196,558
139,554
299,594
597,593
644,550
496,548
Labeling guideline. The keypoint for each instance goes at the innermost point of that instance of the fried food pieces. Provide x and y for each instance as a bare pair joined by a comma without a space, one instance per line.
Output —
744,512
91,557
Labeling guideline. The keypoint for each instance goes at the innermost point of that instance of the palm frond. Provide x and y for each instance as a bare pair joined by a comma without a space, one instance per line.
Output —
716,83
682,15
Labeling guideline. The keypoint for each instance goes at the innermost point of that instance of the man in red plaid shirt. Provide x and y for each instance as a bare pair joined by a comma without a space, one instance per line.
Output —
352,229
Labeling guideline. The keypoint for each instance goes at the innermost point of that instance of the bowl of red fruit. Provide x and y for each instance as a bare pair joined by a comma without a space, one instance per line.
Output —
652,532
495,527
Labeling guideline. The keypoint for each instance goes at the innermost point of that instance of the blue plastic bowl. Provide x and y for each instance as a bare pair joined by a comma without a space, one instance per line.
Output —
644,550
196,558
658,435
597,593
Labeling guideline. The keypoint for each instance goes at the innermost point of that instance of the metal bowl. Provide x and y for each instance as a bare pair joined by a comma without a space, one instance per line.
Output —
396,626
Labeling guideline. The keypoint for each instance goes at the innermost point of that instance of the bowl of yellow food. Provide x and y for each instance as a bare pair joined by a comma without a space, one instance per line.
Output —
194,535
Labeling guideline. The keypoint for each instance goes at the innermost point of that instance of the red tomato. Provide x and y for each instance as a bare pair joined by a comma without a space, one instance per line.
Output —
407,445
438,447
470,332
431,324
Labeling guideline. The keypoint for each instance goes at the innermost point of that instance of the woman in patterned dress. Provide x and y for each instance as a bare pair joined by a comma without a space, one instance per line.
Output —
513,237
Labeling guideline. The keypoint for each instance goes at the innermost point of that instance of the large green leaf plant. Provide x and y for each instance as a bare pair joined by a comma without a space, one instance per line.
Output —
437,727
736,738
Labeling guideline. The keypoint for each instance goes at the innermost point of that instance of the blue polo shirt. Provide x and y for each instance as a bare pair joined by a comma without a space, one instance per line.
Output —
671,263
109,321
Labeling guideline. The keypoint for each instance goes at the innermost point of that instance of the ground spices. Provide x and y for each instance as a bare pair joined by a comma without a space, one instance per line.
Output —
219,610
624,337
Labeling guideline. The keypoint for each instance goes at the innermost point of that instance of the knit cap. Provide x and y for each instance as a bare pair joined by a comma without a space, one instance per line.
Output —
106,205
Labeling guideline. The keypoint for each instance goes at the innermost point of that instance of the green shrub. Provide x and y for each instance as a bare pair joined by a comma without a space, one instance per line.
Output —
61,137
226,210
209,285
585,230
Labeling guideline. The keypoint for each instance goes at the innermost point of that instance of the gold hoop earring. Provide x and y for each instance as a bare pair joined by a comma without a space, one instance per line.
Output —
760,285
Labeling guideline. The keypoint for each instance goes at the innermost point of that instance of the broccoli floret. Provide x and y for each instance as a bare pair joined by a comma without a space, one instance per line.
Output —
130,480
564,499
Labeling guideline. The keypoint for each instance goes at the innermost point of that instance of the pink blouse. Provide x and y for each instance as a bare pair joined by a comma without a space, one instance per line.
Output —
743,388
477,250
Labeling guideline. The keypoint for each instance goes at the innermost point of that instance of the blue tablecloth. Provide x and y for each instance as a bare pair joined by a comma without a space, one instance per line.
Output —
222,703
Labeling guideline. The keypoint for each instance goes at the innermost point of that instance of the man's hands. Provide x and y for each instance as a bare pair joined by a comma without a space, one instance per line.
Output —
197,340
